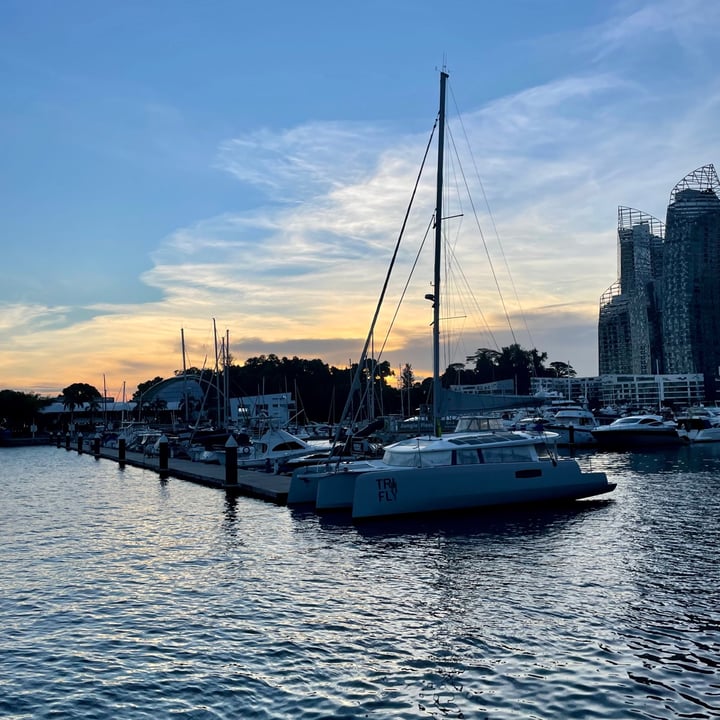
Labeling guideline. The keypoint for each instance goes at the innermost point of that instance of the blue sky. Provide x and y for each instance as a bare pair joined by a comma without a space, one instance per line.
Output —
167,163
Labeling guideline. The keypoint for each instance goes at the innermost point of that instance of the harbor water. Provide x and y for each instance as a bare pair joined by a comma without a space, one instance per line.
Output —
126,596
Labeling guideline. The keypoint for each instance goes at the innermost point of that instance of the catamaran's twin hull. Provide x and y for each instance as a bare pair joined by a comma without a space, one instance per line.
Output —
380,494
402,491
327,487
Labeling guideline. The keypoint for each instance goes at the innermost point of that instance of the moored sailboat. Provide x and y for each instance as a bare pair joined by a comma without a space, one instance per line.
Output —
457,471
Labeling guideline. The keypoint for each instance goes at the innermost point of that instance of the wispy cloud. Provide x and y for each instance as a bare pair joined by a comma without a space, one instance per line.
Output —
300,272
686,23
17,320
301,162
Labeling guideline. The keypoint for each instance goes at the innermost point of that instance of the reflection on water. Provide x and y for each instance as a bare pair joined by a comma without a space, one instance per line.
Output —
122,595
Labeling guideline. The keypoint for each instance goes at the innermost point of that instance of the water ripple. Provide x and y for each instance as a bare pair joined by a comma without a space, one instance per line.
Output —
122,596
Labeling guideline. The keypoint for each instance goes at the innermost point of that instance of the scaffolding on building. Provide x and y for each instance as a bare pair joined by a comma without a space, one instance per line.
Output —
704,179
626,332
690,302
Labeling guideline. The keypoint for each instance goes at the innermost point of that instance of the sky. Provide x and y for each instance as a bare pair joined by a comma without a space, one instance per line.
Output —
241,170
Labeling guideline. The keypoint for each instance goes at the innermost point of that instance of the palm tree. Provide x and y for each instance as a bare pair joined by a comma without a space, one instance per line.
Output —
77,395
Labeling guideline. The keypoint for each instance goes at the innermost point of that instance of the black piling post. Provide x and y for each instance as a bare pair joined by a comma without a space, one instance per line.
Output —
67,441
164,454
571,435
80,443
96,445
57,438
121,450
231,464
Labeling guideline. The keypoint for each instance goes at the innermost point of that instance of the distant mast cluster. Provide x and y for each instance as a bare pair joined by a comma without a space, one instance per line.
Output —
662,315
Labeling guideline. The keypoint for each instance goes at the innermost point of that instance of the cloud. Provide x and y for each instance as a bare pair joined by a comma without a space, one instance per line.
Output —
685,23
299,273
300,162
19,321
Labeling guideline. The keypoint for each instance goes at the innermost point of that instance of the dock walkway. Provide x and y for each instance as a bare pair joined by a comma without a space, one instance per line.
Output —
251,483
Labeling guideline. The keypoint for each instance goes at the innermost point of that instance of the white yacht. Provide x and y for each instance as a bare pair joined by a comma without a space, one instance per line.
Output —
637,431
700,424
574,426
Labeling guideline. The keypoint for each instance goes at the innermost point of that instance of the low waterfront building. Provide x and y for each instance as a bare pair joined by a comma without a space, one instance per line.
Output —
640,391
648,391
258,410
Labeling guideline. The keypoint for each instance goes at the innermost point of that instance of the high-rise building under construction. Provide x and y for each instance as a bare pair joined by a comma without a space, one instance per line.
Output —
627,328
662,315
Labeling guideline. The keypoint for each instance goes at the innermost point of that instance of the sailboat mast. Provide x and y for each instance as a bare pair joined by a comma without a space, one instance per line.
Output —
185,396
217,375
438,243
105,422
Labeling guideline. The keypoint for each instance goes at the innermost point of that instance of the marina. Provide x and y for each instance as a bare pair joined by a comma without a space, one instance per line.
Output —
291,487
219,504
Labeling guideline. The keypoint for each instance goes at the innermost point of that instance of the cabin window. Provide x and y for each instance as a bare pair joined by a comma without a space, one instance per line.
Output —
433,459
466,457
288,445
416,459
402,459
516,453
543,452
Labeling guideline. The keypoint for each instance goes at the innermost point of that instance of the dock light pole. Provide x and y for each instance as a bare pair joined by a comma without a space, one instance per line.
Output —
164,454
231,465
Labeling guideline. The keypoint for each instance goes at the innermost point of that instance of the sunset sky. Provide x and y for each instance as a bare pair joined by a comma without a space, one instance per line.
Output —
167,164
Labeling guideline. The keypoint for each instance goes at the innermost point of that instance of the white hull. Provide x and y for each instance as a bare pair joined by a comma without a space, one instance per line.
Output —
374,489
421,490
704,435
335,489
304,484
700,425
327,487
273,460
580,436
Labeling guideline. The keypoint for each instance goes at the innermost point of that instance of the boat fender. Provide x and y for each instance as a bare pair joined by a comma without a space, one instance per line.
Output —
246,450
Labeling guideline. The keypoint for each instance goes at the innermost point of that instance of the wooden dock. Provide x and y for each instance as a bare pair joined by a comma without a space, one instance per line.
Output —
250,483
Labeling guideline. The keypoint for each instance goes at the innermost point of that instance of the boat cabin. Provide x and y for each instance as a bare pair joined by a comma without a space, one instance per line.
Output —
504,447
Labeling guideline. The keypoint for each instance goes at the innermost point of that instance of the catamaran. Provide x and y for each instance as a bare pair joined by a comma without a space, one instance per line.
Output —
457,471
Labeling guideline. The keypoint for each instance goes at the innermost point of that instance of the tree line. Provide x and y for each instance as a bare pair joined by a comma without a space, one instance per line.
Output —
320,390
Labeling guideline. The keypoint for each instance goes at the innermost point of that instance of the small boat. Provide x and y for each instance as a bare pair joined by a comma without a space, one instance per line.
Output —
457,471
700,424
637,431
573,425
273,450
130,432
